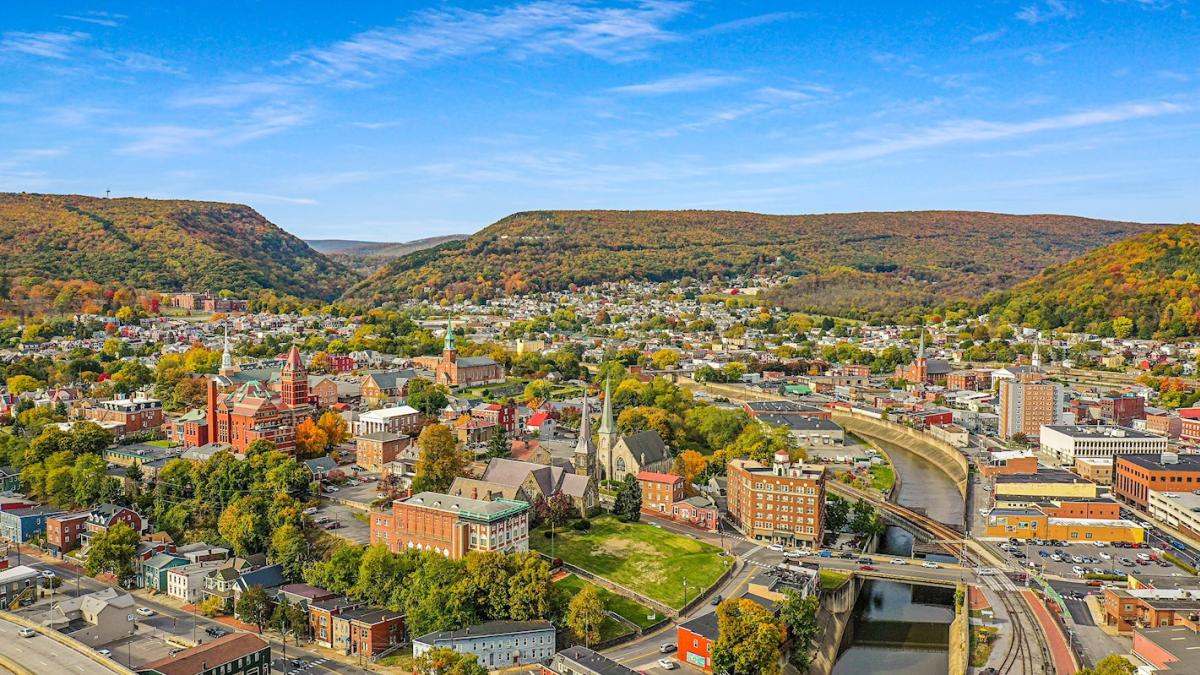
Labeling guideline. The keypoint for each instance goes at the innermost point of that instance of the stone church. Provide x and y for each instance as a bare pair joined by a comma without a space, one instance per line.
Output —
615,456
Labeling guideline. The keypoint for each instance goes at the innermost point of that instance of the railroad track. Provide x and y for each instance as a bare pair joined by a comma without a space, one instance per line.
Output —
1026,649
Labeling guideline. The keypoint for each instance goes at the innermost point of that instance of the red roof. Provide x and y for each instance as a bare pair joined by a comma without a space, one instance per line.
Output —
538,419
652,477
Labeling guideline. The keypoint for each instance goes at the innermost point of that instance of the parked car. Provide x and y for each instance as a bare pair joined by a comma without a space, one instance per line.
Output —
775,547
48,574
310,510
666,647
716,600
145,611
794,553
668,664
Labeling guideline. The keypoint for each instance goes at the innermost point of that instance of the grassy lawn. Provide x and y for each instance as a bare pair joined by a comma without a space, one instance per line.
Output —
162,444
647,559
832,580
630,609
882,477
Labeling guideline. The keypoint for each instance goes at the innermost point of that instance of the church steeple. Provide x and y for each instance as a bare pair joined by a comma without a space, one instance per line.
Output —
226,357
1036,359
448,344
921,347
585,450
293,380
607,434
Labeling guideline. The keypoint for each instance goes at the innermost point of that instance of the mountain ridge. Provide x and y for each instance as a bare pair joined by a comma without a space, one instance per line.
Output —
915,257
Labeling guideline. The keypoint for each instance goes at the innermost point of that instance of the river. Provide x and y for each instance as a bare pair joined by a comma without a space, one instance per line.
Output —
924,488
898,629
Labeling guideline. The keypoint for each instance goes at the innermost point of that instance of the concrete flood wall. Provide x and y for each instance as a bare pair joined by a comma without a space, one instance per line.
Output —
960,637
834,615
947,457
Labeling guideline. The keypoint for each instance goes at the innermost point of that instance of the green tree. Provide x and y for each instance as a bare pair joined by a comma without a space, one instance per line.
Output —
498,445
799,615
289,619
89,437
244,525
440,460
749,641
339,572
446,661
1113,664
112,551
585,614
20,384
378,574
427,397
89,477
837,514
530,592
254,607
289,549
628,503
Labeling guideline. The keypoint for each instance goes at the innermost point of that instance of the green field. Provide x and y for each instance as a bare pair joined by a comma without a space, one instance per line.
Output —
630,609
882,477
644,558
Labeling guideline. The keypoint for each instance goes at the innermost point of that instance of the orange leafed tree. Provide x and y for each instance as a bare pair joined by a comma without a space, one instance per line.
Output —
335,428
310,439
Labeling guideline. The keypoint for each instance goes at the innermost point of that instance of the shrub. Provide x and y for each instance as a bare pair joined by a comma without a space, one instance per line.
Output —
581,525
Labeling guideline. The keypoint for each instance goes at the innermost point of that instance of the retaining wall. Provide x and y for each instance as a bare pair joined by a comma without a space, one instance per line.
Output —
947,457
833,616
960,637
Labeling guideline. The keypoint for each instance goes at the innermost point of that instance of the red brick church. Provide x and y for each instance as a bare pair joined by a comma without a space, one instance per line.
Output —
250,410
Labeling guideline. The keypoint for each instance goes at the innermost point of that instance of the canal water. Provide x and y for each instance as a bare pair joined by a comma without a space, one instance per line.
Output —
923,487
898,629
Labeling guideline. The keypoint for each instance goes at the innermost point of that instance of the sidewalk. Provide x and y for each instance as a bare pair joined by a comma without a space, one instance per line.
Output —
1060,651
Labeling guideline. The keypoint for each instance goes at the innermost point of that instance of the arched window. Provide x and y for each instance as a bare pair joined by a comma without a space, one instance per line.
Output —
620,465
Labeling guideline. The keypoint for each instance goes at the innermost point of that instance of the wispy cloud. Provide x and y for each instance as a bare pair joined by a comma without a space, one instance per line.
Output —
749,22
97,18
47,45
678,84
1046,10
540,27
261,197
171,139
990,36
373,126
138,62
164,139
967,131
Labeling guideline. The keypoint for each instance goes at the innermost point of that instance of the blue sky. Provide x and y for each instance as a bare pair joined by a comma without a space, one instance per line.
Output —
393,121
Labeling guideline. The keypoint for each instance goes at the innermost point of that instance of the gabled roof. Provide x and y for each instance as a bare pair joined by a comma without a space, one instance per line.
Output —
647,447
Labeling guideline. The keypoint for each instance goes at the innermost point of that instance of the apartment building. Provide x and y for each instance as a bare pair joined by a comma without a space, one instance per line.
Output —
1026,405
782,503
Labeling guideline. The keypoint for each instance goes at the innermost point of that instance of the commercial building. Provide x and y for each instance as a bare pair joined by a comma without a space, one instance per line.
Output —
452,525
1136,476
496,644
1180,510
760,408
782,503
398,420
695,638
374,450
1099,470
1068,442
16,580
807,431
1122,410
233,654
1171,649
1158,607
952,434
1038,524
1026,405
1007,463
1047,483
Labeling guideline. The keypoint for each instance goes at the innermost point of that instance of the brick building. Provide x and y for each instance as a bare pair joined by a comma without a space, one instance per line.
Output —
367,631
969,380
452,525
1134,476
468,371
1122,410
782,503
659,491
137,415
64,530
1026,405
1007,463
251,411
1156,607
375,450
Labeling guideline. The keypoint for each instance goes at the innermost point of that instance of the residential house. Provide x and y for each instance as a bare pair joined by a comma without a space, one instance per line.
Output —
187,582
19,525
377,449
233,654
104,517
320,618
579,660
101,617
63,531
15,581
10,479
379,388
320,467
495,644
367,631
154,570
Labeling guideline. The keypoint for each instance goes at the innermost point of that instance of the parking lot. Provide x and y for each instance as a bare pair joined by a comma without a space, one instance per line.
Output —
1089,558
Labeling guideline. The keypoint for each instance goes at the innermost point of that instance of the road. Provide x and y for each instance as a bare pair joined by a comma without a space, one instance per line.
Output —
41,654
150,640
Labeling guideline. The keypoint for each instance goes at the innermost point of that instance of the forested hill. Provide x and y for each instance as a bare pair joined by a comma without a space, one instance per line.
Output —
848,263
1144,286
160,245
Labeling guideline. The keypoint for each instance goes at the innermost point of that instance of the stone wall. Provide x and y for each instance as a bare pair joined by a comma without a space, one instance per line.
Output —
837,607
960,638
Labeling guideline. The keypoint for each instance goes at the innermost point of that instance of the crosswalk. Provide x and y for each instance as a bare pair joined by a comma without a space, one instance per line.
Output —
306,666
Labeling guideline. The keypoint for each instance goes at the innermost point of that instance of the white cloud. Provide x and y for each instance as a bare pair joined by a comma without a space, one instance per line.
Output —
967,131
990,36
677,84
750,22
260,197
1046,10
164,139
97,18
542,26
144,63
46,45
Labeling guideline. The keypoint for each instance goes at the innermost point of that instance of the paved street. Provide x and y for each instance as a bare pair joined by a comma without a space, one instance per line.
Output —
41,654
150,640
